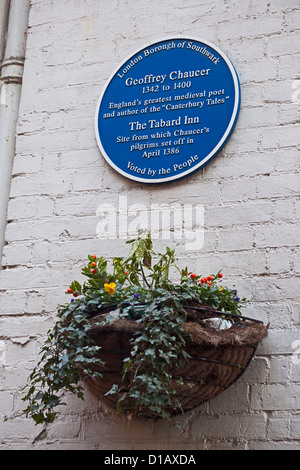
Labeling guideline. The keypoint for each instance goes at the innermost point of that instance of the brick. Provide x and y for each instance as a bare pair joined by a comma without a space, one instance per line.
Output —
17,254
277,91
21,351
274,397
245,140
295,360
288,114
279,235
248,49
243,213
265,69
206,192
283,136
45,207
273,289
289,66
40,254
249,27
291,5
87,179
6,403
244,164
235,398
16,377
54,14
238,190
283,44
30,207
286,160
25,327
47,141
69,430
279,369
259,117
35,302
42,229
12,302
278,427
278,186
273,445
295,308
279,262
232,264
242,240
21,208
291,18
51,162
244,262
257,371
29,277
295,427
279,341
253,309
284,210
31,121
80,159
297,263
27,164
21,429
230,426
297,205
41,184
253,8
252,93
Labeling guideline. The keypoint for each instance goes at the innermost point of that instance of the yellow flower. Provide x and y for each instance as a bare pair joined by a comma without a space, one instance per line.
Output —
221,288
110,288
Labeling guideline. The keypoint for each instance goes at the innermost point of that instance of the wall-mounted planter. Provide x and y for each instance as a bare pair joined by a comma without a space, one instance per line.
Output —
143,343
218,356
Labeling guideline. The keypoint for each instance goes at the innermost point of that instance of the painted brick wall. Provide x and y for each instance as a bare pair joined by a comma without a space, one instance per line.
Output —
250,194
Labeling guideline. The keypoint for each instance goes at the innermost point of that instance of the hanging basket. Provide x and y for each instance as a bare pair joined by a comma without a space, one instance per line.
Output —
218,357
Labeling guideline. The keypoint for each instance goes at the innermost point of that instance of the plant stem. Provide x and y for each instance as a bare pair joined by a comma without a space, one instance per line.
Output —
144,277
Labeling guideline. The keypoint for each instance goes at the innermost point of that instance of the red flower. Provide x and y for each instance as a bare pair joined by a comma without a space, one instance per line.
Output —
193,275
69,291
93,263
220,275
94,256
93,271
209,278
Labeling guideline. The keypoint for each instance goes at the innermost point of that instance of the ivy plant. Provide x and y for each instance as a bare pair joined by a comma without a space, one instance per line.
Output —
140,286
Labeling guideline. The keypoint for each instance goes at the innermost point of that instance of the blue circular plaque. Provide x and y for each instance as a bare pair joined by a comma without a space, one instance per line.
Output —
167,110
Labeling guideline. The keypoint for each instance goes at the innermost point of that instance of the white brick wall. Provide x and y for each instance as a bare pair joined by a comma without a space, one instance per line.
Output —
250,193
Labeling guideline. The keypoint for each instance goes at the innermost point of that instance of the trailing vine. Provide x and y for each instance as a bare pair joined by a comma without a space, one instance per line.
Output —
156,348
67,348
